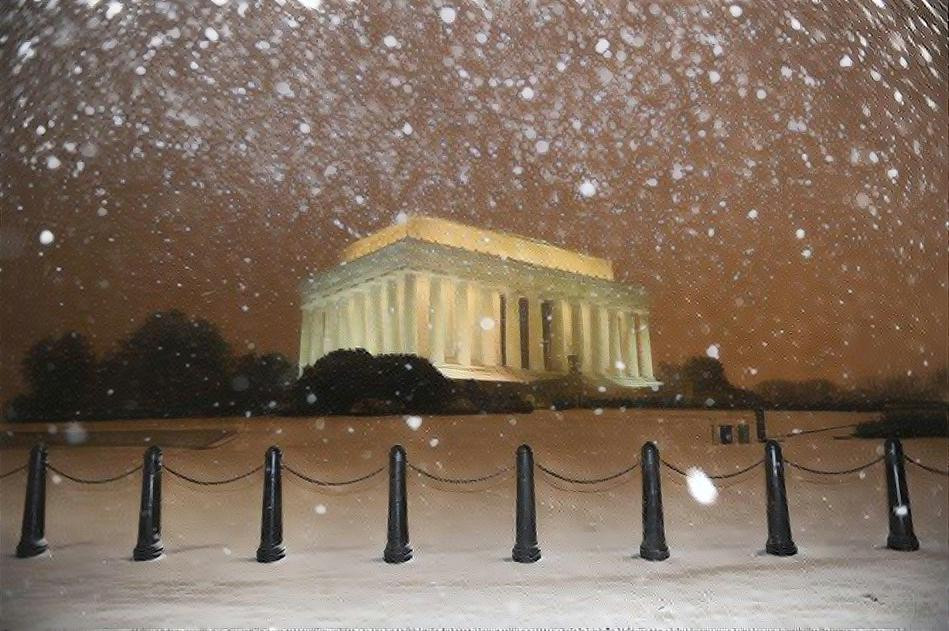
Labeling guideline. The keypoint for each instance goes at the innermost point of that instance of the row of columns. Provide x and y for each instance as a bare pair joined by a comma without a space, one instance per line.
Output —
607,341
458,321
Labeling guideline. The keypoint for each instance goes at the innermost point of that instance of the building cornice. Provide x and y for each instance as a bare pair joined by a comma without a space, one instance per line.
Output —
491,242
503,273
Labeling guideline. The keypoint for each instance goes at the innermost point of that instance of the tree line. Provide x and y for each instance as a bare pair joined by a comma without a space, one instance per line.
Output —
702,382
174,365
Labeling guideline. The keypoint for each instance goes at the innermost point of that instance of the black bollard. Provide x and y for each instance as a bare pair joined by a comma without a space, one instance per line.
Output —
397,548
653,547
760,428
525,542
271,521
779,542
149,544
901,535
32,537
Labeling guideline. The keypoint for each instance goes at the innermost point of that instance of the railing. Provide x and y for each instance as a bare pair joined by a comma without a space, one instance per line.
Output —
526,550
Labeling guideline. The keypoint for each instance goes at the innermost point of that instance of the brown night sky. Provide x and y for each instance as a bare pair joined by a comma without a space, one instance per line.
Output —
774,173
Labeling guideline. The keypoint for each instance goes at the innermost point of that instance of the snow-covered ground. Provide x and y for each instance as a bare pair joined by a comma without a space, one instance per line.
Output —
462,574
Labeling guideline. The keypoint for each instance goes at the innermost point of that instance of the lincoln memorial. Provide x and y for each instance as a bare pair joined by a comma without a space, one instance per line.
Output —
479,304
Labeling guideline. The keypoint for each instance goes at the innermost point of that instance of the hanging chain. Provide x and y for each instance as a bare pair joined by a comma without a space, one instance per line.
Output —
926,467
843,472
187,478
473,480
9,473
318,482
717,476
438,478
673,467
93,480
735,474
607,478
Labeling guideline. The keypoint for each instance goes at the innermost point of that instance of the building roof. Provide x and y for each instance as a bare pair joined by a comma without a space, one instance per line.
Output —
490,242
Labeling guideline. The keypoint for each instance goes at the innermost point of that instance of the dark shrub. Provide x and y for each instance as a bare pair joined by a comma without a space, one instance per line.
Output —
489,397
411,381
171,366
911,421
334,383
60,373
353,381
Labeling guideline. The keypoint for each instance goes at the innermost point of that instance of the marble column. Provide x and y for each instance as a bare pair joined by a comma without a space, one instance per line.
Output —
451,328
601,340
345,322
357,316
617,364
595,335
331,331
512,330
317,322
489,326
439,326
628,342
423,314
561,335
462,327
388,308
583,336
405,311
645,350
535,333
373,321
473,305
306,333
630,345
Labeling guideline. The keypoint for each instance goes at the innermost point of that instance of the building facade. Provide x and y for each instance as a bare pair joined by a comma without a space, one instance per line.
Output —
479,304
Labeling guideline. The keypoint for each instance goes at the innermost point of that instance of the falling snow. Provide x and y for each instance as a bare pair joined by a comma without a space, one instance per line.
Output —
700,486
723,156
447,14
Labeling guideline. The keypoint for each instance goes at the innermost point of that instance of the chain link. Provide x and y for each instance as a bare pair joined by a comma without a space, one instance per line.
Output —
93,480
673,467
318,482
564,478
717,476
439,478
9,473
187,478
843,472
926,467
735,474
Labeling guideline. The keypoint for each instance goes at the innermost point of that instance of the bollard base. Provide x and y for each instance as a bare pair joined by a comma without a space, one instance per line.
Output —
903,543
148,552
27,549
270,553
525,554
654,553
397,554
784,549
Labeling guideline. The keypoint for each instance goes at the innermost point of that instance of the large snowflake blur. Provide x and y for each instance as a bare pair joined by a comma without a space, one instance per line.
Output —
773,172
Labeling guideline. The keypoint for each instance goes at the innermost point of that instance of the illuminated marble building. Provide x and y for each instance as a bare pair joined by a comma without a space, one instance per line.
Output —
479,304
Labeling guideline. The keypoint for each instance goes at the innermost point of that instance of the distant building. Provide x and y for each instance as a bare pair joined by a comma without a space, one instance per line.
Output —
479,305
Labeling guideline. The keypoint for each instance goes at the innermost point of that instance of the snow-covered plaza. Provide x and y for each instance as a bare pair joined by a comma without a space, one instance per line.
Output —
462,574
